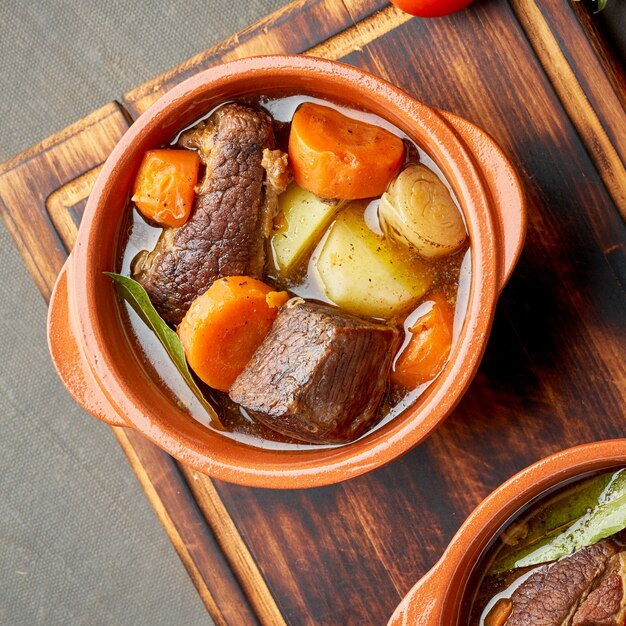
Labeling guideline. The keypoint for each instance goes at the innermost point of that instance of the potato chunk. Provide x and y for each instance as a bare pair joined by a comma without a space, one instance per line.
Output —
367,274
303,218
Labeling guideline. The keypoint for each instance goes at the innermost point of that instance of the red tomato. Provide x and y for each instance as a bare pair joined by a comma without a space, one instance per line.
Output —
431,8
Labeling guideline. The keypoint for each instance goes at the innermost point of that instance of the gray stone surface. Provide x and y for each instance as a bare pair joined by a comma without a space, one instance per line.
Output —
79,543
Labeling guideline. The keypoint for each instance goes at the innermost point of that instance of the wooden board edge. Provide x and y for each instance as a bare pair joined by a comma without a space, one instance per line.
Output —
593,62
574,101
361,9
41,281
133,100
360,34
612,65
29,179
61,136
60,201
168,524
239,556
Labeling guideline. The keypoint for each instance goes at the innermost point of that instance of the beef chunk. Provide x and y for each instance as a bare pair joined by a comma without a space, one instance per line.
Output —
235,204
606,604
319,375
550,596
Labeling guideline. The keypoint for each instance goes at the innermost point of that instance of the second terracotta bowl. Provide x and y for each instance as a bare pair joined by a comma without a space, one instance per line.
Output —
437,599
87,336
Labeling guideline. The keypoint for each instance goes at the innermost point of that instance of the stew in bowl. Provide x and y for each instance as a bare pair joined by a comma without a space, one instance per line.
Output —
308,261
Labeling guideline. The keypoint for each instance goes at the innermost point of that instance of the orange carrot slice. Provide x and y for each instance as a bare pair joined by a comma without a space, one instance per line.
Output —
225,325
500,612
429,346
334,156
164,187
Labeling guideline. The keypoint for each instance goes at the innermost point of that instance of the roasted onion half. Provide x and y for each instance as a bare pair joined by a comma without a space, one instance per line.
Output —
418,211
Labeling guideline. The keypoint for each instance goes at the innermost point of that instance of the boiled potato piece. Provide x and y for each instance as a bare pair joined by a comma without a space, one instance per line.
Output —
418,211
303,218
367,274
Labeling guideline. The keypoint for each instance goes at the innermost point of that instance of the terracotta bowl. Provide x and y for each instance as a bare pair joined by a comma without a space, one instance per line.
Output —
436,600
87,337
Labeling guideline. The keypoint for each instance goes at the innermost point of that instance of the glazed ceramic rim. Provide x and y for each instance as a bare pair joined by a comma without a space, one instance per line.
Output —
448,579
266,467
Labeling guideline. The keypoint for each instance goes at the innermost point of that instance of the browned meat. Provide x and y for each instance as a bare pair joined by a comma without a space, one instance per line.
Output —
319,375
606,604
235,204
552,594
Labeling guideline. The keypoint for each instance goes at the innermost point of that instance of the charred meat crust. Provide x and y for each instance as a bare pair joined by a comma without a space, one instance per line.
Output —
224,235
319,375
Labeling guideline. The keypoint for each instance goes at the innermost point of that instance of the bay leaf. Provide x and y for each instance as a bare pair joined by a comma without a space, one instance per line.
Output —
136,296
546,519
602,515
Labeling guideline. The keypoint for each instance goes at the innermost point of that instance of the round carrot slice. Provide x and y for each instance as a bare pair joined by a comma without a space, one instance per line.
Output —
334,156
225,325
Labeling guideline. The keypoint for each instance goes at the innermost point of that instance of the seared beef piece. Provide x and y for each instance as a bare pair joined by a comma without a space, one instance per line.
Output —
606,604
232,216
319,375
551,595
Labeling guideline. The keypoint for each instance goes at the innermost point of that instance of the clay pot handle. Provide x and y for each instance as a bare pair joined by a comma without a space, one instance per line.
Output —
68,358
422,606
506,192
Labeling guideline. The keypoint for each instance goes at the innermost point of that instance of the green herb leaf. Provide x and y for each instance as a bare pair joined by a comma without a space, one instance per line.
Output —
134,293
601,515
546,520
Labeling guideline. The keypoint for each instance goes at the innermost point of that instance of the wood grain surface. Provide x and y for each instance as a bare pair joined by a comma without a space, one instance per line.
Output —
538,78
293,29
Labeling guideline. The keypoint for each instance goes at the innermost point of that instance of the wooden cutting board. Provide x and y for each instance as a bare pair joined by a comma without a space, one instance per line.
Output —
536,76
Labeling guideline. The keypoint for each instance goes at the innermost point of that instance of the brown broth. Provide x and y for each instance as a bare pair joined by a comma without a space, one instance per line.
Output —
452,273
